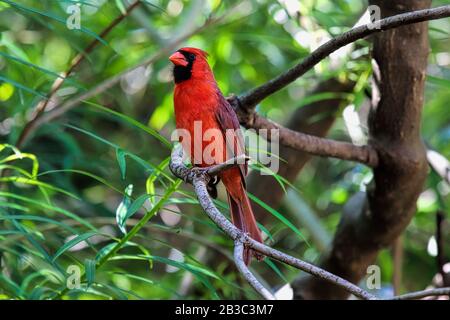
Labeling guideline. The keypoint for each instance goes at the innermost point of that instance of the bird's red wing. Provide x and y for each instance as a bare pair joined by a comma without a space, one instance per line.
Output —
227,119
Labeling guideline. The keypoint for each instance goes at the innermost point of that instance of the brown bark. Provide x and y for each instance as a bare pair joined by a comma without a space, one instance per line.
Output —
315,119
373,221
316,145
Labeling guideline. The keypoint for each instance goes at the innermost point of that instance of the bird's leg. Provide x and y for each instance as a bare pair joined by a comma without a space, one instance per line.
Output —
212,181
198,171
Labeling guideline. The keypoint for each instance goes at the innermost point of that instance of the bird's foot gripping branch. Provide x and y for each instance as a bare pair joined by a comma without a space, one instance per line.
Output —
199,179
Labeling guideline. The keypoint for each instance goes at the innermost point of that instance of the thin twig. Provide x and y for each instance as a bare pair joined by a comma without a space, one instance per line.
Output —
250,99
245,104
42,105
423,294
312,144
199,180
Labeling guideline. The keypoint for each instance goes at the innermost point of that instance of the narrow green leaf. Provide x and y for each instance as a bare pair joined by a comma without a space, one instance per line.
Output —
154,6
33,182
10,285
150,188
139,160
278,215
36,245
275,269
132,122
10,232
84,173
20,156
122,209
47,274
93,136
49,207
150,282
121,7
38,218
71,243
136,205
104,251
199,273
89,267
37,293
15,206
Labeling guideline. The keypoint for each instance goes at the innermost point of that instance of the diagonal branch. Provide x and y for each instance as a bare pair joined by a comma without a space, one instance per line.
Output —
199,180
249,100
311,144
315,119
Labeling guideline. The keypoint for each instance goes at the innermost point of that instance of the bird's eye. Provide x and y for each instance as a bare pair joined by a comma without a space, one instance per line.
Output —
191,57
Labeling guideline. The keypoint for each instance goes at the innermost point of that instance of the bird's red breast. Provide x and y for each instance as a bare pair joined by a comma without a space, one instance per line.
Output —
197,101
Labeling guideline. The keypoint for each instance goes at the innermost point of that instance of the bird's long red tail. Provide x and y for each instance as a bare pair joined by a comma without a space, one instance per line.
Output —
242,216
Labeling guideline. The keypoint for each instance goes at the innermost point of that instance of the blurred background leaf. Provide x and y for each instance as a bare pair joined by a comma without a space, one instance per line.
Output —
61,193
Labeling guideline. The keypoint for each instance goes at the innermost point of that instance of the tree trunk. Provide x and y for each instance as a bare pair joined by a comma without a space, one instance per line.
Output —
374,220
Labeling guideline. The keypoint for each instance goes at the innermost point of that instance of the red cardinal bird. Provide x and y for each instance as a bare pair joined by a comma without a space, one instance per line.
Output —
198,100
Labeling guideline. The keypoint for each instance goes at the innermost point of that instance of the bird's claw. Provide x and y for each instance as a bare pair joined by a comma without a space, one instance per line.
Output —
197,171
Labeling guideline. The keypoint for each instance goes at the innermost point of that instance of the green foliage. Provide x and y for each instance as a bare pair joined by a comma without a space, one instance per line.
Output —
64,199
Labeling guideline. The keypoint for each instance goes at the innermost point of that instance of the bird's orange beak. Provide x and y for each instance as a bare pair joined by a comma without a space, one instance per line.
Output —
178,59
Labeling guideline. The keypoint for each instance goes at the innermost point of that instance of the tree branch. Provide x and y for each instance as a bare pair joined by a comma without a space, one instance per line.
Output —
373,220
423,294
249,100
199,179
314,119
313,144
245,104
